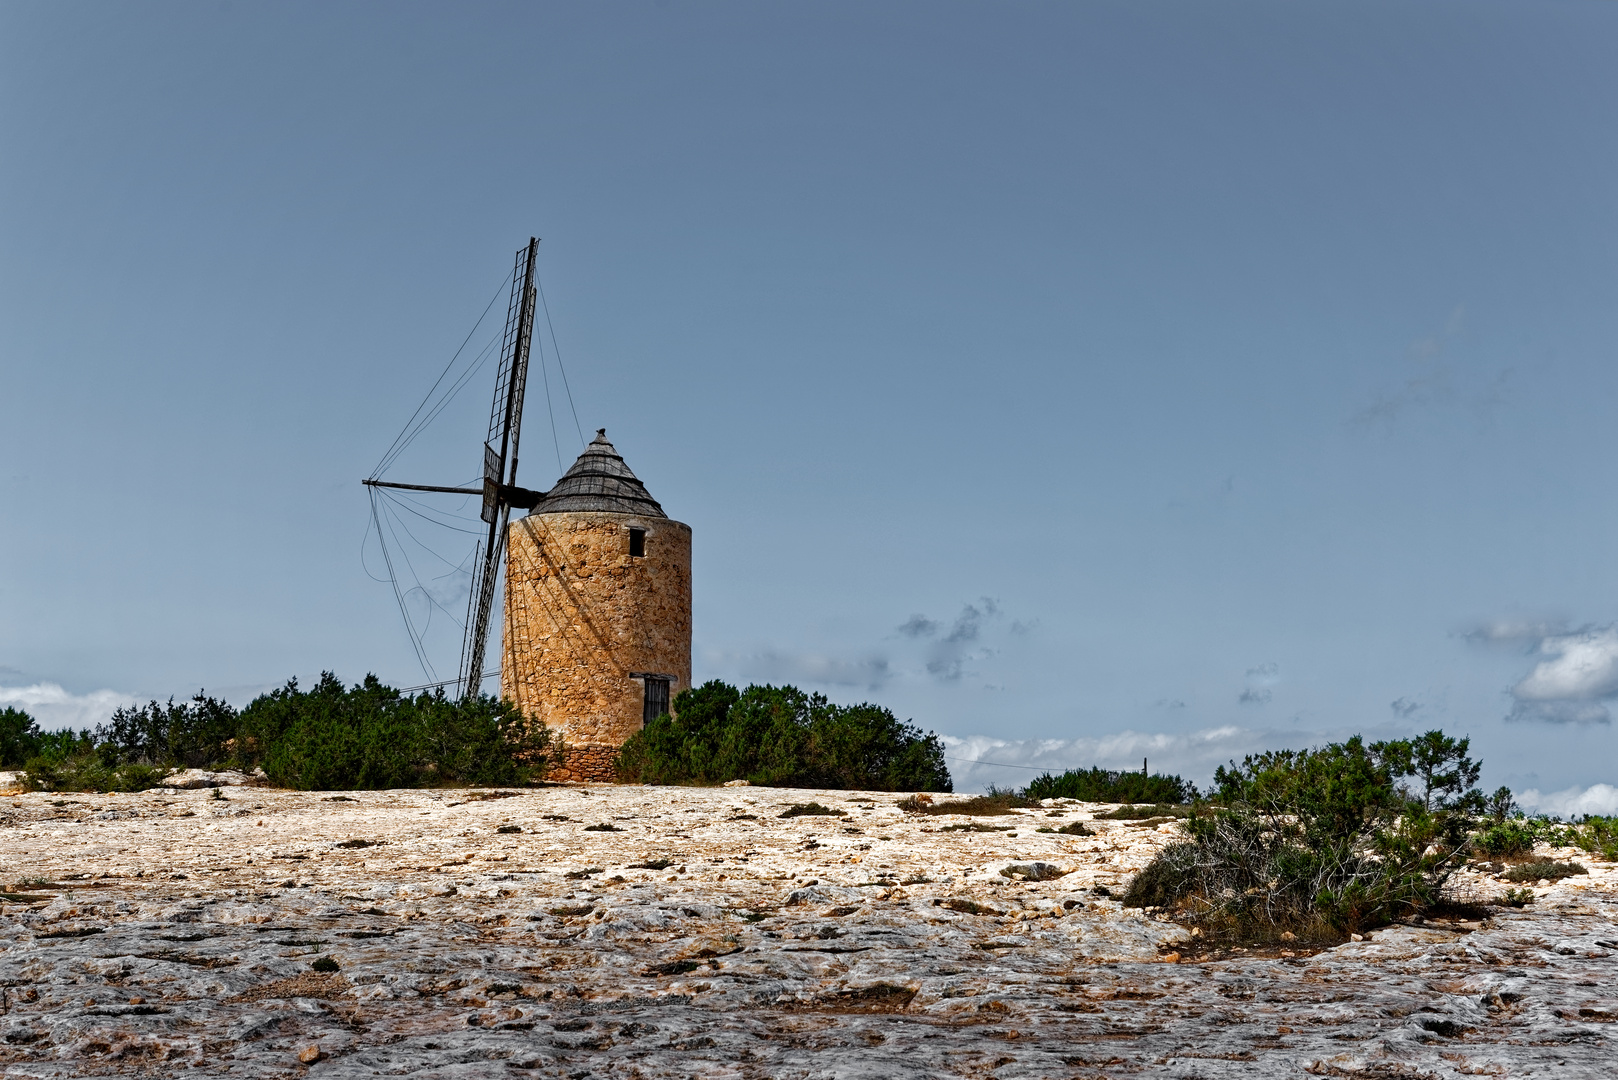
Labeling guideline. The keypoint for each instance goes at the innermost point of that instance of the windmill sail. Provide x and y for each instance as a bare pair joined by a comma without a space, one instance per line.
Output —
500,462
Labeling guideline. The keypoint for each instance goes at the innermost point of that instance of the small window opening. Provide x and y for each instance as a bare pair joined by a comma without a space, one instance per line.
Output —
637,548
657,700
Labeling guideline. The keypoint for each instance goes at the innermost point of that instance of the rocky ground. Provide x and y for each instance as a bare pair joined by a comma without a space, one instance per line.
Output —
655,932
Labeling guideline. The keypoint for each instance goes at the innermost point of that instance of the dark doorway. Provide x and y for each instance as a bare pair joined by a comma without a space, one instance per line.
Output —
637,543
657,700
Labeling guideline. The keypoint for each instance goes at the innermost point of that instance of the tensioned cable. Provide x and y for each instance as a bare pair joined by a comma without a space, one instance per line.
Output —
446,682
558,350
461,566
393,579
431,521
432,600
545,376
393,450
481,359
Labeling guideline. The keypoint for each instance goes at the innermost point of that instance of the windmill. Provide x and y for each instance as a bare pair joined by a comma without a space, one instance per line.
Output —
499,492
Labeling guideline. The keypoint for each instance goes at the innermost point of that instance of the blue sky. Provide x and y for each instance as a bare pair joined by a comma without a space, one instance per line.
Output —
1086,381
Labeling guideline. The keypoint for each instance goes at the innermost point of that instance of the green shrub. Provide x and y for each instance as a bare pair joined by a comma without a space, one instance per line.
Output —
811,809
1130,812
368,736
19,738
1104,785
1072,828
1597,835
1320,842
326,738
995,802
1542,870
781,737
90,771
197,734
1504,839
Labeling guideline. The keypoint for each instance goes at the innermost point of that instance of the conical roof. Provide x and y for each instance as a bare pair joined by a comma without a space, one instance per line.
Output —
599,481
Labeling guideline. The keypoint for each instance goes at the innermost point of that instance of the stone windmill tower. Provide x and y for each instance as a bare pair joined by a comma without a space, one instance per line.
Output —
598,610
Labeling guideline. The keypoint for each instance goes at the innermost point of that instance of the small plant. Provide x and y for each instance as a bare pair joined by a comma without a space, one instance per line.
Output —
217,794
1597,835
1543,871
509,829
1131,812
1504,839
572,911
652,864
1072,828
324,964
576,875
1516,898
995,803
812,809
605,826
974,826
968,907
1318,843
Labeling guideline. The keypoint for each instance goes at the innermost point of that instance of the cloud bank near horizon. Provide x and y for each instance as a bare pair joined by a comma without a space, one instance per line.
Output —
976,761
54,707
1572,802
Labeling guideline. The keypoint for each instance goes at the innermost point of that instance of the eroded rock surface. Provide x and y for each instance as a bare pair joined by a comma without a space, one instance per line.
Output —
659,932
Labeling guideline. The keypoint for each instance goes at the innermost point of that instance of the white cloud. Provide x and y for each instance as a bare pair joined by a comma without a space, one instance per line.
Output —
1595,799
1512,631
54,707
1014,762
1583,666
871,672
1582,669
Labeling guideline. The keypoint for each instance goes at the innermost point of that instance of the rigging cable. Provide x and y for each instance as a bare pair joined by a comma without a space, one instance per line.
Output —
395,520
410,630
443,402
558,350
394,450
545,375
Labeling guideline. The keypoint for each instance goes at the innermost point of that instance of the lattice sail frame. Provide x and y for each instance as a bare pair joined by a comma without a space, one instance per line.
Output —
500,465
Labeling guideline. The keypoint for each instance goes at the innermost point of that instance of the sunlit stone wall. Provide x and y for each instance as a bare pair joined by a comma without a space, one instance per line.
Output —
581,614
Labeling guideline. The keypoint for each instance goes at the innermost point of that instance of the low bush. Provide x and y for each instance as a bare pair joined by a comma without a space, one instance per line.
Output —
1104,785
368,736
1072,828
1504,839
1597,835
781,737
326,738
1542,870
811,809
193,734
1320,842
1130,812
995,802
19,738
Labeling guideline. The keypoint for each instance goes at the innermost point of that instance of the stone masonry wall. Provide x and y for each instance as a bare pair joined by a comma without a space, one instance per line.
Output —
585,764
582,613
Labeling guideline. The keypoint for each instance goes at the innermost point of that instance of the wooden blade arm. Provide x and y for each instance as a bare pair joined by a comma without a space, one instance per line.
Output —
520,497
